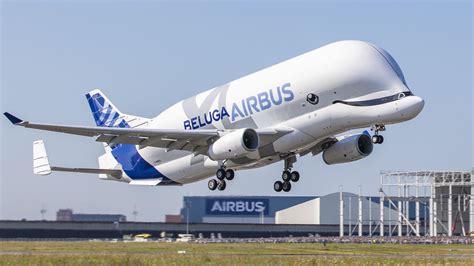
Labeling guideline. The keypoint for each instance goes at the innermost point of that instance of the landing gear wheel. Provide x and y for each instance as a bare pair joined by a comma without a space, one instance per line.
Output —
212,184
377,139
380,139
286,175
278,186
229,174
221,185
220,174
286,186
295,176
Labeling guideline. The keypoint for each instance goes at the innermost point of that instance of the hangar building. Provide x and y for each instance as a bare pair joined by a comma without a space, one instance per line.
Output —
237,209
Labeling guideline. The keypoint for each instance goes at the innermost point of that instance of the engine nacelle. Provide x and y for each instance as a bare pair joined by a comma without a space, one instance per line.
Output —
348,149
234,144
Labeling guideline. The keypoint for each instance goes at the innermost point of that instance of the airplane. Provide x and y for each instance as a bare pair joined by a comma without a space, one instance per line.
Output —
301,106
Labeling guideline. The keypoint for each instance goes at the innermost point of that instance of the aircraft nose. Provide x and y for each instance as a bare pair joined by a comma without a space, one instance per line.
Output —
418,104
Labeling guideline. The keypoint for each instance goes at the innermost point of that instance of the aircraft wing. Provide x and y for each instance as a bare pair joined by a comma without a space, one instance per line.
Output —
172,139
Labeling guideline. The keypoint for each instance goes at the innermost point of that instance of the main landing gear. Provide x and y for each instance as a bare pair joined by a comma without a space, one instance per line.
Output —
287,176
222,174
377,139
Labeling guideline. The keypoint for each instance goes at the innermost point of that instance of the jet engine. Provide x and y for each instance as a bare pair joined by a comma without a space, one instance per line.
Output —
348,149
234,144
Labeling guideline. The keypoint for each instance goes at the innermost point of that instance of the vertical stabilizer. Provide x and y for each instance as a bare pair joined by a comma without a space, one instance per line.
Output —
106,114
103,110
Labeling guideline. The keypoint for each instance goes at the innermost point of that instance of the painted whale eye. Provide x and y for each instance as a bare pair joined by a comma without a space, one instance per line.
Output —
401,95
312,98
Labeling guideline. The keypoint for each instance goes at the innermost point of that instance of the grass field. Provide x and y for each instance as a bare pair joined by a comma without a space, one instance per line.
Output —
152,253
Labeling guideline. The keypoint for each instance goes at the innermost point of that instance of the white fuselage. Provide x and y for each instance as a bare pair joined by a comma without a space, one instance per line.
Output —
276,97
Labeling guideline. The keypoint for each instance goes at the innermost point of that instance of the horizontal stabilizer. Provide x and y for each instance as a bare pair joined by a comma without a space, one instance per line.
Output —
145,182
112,172
41,164
40,159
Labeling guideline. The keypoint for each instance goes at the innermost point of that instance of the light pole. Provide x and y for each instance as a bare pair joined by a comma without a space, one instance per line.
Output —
43,212
187,203
135,213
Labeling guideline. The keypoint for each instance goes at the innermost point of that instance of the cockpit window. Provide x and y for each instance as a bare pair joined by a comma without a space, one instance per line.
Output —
392,63
377,101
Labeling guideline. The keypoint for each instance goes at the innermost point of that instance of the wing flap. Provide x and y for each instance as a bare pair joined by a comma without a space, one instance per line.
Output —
268,136
320,146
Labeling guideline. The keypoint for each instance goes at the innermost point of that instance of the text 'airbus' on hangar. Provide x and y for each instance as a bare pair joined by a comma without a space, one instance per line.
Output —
236,209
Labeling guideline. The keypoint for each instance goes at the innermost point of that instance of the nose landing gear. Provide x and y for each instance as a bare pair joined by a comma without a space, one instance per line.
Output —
377,139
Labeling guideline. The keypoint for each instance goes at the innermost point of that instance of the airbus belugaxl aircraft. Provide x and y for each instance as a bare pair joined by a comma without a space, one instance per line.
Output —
294,108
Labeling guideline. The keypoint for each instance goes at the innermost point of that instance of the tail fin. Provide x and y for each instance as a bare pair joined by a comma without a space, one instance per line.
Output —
107,115
104,111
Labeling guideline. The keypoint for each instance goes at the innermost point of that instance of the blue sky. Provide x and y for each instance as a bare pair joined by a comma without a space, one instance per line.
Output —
147,55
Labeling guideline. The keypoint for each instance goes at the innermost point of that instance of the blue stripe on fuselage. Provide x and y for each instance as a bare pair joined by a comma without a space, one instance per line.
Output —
133,164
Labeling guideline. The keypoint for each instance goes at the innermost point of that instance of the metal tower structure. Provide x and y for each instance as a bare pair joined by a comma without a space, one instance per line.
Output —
446,195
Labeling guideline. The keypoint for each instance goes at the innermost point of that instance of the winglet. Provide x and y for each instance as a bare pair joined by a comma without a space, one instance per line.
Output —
15,120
